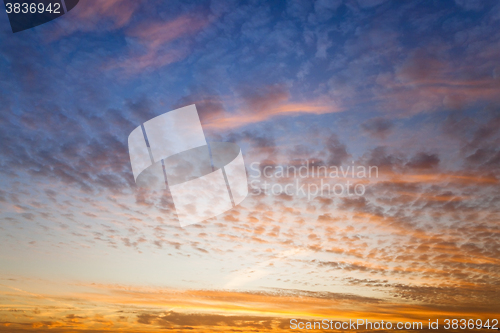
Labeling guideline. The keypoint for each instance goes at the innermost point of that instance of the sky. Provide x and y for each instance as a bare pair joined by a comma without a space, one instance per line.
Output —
408,88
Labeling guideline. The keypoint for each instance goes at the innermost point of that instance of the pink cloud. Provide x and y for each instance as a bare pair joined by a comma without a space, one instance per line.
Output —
155,40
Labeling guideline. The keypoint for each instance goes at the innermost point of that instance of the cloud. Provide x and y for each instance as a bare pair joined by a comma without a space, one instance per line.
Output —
337,151
173,320
262,104
423,161
162,43
209,104
135,309
378,127
96,16
370,3
475,5
429,219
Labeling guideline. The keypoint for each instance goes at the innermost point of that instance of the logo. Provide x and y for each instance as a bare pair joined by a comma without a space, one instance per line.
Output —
26,14
170,151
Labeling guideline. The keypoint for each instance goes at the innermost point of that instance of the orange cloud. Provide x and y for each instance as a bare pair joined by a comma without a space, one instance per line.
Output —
140,309
246,117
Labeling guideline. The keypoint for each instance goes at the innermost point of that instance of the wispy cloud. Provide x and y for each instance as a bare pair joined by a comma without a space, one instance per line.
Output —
157,43
131,309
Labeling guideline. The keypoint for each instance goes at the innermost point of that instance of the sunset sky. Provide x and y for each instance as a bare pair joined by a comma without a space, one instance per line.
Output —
409,87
